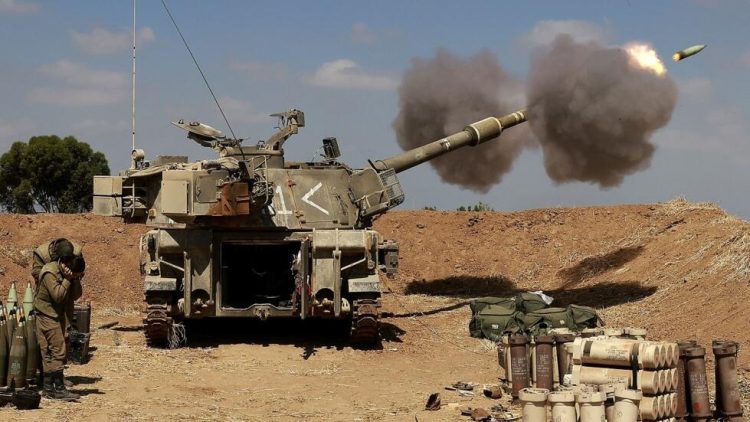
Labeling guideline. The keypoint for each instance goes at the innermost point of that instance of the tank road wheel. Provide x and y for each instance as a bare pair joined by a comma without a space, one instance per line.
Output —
158,323
364,323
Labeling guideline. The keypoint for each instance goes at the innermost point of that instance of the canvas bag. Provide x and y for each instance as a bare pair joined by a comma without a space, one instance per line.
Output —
547,318
494,321
584,317
477,305
492,316
528,302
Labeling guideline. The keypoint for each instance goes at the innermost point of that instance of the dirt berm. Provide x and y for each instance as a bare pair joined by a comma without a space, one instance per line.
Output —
679,269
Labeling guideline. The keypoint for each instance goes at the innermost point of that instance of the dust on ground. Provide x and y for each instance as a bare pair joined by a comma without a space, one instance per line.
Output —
679,269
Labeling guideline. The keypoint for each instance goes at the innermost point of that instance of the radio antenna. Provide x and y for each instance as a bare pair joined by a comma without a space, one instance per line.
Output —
133,81
199,68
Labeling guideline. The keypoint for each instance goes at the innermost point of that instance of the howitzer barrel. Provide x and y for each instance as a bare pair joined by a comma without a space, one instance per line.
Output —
473,134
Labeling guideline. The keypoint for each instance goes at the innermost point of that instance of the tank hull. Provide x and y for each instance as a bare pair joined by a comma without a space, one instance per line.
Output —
211,273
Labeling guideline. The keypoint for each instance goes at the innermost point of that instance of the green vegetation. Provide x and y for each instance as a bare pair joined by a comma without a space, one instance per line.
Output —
49,173
479,206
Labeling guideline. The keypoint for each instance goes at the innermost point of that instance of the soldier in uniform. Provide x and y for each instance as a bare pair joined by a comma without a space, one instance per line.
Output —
59,286
51,251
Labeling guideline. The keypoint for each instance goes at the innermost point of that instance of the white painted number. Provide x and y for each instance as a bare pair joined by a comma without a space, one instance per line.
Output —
283,210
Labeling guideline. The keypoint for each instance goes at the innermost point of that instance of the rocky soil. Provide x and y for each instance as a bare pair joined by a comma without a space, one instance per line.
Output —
679,269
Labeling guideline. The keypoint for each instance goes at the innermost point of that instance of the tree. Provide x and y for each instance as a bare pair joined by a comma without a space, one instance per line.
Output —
50,174
478,207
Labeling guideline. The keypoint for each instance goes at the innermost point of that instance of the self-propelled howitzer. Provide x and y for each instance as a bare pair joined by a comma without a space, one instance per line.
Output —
249,234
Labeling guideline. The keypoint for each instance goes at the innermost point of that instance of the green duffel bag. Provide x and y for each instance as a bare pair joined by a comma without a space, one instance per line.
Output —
547,318
583,317
500,306
531,322
478,304
528,302
493,321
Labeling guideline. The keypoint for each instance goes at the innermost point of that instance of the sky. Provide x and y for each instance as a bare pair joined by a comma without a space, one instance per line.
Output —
66,68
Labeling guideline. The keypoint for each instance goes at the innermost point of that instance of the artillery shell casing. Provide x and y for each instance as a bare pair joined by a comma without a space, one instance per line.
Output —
32,350
592,406
697,385
17,360
4,349
534,404
563,363
519,363
544,366
683,396
626,405
562,404
728,404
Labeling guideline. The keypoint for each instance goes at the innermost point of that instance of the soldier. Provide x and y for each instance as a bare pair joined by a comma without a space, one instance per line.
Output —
59,286
51,251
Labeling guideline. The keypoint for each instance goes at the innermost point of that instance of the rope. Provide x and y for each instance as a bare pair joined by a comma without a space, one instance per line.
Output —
423,324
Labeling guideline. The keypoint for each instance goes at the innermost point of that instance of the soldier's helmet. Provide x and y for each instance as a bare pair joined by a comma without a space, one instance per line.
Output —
64,249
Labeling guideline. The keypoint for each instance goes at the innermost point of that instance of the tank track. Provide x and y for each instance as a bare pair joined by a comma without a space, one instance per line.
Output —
364,329
157,323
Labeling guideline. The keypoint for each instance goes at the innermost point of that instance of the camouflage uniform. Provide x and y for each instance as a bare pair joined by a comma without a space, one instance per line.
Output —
46,253
55,294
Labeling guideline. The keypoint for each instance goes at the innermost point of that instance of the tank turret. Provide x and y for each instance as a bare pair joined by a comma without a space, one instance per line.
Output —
248,234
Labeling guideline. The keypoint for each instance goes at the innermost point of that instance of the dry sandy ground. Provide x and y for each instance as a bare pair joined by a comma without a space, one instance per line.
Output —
305,374
680,269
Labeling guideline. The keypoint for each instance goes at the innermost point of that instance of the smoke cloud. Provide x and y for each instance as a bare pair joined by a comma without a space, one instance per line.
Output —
593,111
440,96
591,107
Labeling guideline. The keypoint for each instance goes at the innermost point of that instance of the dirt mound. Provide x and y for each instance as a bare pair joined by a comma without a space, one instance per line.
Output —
679,269
110,248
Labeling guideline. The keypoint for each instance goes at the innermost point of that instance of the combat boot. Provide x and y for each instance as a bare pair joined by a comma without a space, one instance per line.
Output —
59,392
47,386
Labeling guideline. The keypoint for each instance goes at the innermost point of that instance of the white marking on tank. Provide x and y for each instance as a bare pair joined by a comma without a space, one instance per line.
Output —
310,193
283,210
